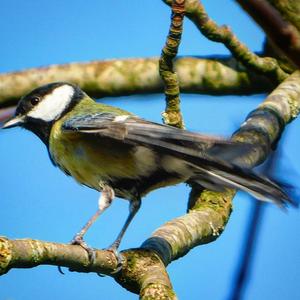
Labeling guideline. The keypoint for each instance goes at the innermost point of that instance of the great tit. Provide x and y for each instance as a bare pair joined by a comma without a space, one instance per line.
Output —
113,151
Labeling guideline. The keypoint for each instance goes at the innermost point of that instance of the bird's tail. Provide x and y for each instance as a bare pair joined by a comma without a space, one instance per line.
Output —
216,174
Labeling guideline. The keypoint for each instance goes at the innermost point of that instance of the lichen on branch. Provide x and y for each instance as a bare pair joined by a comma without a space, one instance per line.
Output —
217,76
223,34
172,115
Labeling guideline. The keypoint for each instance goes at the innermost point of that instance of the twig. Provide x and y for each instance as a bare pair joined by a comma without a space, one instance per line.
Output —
172,115
267,65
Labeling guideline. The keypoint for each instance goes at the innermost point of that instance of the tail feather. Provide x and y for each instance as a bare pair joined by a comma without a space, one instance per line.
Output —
211,168
244,179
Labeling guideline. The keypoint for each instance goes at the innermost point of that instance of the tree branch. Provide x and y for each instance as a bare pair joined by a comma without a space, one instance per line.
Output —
137,264
217,76
268,66
172,115
28,253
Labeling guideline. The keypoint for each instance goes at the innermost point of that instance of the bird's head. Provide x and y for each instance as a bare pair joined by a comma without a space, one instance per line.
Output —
38,110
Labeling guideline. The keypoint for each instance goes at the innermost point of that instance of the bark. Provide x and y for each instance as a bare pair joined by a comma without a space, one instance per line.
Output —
284,34
216,76
268,66
172,114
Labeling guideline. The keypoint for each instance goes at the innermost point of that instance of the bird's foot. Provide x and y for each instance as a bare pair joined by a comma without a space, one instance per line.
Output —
78,240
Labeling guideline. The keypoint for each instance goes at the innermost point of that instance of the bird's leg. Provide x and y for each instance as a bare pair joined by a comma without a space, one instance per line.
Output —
105,200
133,209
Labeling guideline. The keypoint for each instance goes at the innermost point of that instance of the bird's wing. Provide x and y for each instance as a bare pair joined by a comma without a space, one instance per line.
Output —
133,130
191,147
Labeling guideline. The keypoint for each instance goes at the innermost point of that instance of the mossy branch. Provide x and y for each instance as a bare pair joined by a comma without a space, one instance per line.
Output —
172,115
268,66
217,76
140,267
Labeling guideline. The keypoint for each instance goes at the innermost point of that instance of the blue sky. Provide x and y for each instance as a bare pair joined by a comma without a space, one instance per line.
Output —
40,202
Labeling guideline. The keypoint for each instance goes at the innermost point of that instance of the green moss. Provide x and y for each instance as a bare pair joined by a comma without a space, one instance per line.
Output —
5,255
215,200
138,263
294,107
156,291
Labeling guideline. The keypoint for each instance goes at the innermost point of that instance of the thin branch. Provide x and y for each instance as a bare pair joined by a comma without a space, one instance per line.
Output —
28,253
282,33
217,76
172,115
222,34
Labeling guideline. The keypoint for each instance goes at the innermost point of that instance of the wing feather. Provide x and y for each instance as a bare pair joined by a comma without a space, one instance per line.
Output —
207,155
134,130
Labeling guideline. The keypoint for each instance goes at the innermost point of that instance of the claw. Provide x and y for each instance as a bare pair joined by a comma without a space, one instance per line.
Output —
78,240
60,270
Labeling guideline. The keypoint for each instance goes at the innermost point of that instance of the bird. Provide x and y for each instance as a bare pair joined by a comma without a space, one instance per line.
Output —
120,154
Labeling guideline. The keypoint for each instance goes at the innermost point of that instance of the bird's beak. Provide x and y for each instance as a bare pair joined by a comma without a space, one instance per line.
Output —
15,121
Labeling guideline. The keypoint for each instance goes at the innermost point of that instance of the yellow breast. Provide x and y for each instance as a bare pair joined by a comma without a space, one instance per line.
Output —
89,159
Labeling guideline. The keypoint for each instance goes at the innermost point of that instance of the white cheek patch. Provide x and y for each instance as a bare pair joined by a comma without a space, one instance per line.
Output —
53,104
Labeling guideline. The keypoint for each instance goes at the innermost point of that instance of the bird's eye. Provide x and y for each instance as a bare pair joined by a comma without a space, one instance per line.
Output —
34,100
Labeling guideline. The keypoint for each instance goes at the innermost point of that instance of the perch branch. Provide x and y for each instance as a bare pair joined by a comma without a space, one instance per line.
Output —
28,253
